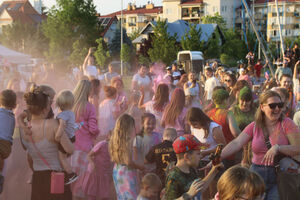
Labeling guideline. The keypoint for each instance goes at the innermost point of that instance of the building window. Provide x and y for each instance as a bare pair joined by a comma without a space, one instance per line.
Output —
185,12
274,33
296,26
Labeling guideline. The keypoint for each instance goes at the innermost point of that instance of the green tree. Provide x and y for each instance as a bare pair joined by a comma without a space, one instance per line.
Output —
101,54
126,53
67,22
234,48
212,48
164,46
115,45
24,37
191,39
78,54
214,19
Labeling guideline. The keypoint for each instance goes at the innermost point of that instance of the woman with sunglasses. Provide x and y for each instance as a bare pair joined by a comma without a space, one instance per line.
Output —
269,124
229,80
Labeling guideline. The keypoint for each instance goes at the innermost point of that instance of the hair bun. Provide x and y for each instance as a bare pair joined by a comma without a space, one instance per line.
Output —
33,88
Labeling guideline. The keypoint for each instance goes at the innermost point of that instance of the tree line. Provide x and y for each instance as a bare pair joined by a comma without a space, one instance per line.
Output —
72,26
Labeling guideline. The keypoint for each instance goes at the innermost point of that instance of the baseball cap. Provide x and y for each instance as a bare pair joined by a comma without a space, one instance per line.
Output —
186,143
168,68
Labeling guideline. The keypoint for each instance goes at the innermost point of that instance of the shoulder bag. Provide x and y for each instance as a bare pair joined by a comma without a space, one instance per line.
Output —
288,180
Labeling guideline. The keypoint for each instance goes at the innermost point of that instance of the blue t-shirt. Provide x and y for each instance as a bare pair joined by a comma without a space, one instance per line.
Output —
7,124
69,117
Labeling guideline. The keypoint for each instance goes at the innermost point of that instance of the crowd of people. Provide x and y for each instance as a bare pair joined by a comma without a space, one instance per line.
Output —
88,136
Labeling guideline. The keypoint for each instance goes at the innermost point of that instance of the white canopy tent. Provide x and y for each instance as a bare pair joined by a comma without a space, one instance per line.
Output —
11,56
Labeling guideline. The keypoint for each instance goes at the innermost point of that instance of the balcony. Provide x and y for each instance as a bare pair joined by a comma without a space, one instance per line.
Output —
195,15
131,24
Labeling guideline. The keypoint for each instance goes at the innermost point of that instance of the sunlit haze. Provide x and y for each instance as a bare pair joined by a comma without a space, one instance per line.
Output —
104,6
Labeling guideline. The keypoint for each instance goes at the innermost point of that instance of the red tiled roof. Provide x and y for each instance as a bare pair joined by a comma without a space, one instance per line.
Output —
191,2
138,10
22,11
21,6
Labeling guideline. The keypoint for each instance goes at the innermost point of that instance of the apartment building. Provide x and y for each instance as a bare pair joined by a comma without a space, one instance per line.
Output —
265,16
194,10
135,18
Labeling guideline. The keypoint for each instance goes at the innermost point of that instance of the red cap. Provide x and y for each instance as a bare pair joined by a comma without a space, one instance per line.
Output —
186,143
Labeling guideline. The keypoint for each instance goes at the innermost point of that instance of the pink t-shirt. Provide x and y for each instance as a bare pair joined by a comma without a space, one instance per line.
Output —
259,148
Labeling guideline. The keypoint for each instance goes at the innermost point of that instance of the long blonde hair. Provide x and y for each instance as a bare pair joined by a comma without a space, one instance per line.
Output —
81,96
238,181
120,141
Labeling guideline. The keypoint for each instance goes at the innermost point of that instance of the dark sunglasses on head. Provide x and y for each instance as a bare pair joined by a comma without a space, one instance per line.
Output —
227,80
274,105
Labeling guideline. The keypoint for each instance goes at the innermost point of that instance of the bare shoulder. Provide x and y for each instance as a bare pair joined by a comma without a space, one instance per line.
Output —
52,124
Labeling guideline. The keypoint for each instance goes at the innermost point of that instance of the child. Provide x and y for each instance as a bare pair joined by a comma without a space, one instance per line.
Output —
163,154
240,183
107,112
65,102
8,100
98,179
94,97
151,186
120,149
134,111
84,112
145,139
183,180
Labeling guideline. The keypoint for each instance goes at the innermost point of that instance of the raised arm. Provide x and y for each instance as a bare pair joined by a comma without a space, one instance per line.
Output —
295,75
86,59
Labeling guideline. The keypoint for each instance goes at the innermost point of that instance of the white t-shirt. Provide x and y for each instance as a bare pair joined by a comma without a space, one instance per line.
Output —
209,141
175,75
91,70
143,81
210,84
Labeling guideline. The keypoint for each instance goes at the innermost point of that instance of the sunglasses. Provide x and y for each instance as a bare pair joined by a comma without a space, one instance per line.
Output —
274,105
227,80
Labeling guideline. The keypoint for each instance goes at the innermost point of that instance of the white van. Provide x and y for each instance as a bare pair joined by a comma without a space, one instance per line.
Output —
192,61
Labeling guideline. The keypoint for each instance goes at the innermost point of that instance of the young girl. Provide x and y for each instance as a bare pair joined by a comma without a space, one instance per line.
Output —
121,98
146,139
174,113
94,97
134,111
108,112
157,105
98,179
84,112
125,169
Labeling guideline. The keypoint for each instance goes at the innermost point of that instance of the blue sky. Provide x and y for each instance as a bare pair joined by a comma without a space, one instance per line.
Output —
106,6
